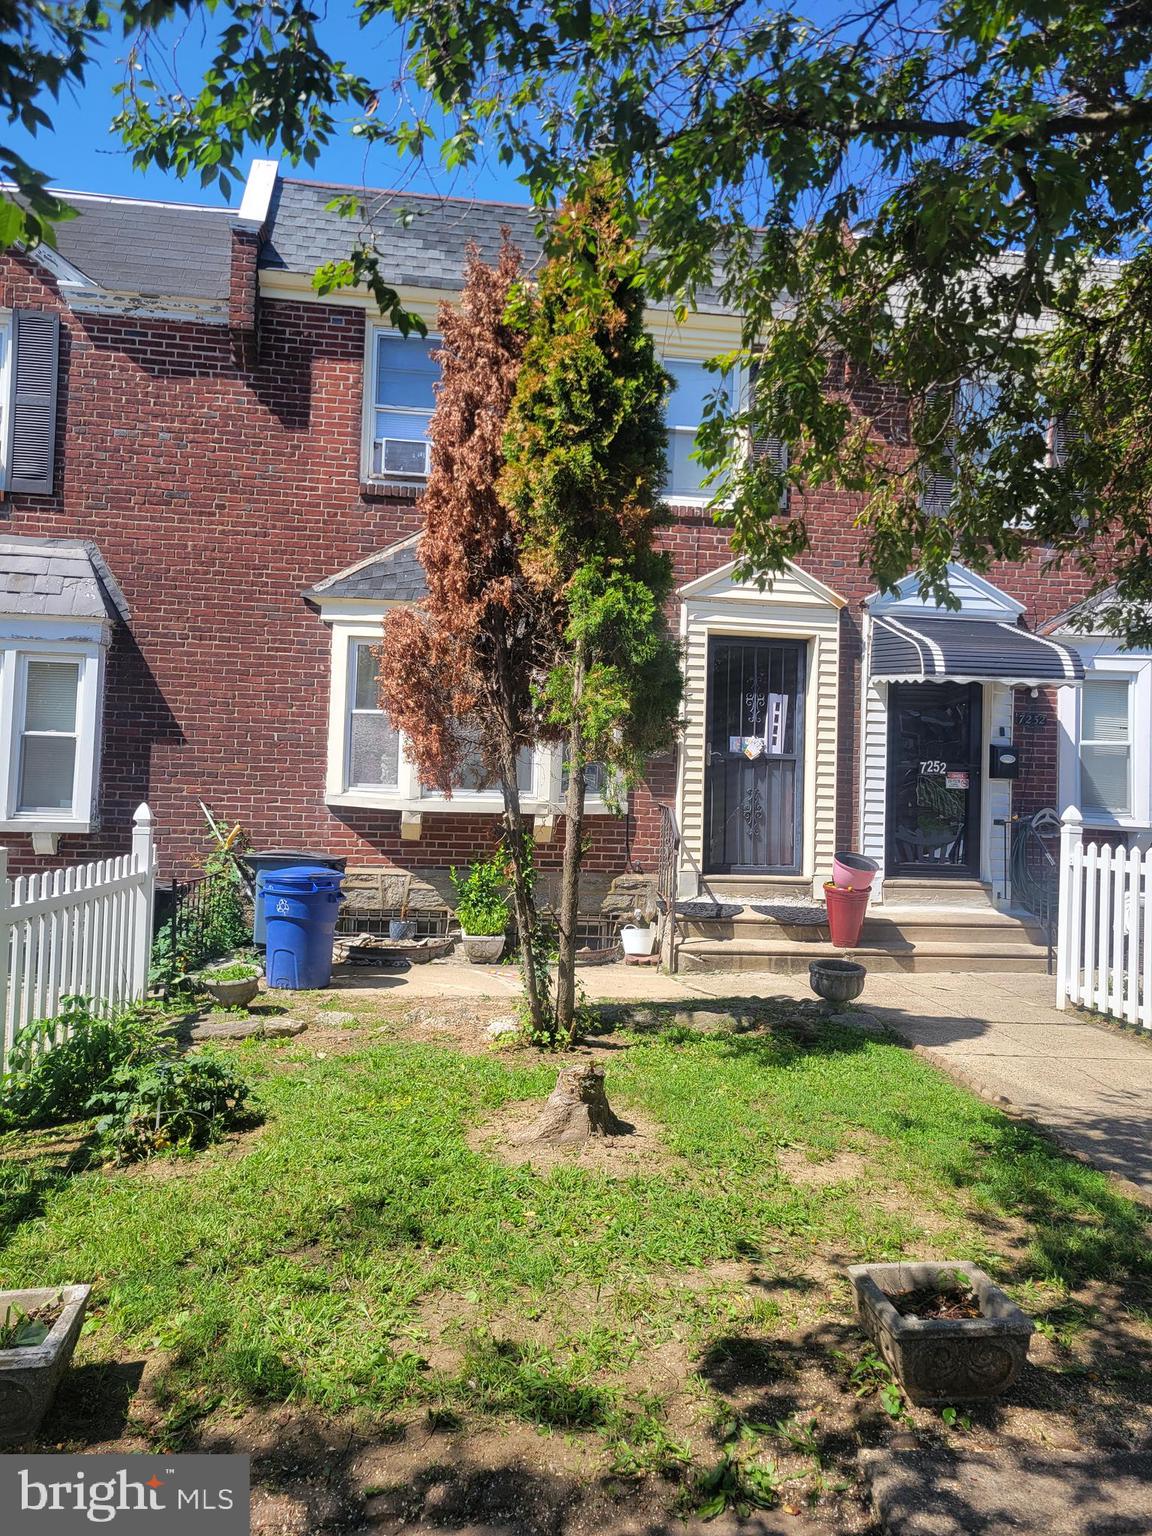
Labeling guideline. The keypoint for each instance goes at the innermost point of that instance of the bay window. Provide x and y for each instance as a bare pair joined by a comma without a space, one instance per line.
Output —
50,708
367,763
373,741
474,782
1103,771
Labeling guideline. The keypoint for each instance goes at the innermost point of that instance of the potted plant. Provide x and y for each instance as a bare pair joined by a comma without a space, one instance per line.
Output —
482,909
948,1334
639,936
233,985
38,1332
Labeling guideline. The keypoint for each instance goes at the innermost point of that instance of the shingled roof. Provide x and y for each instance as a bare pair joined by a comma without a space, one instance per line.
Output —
128,245
426,250
392,575
58,579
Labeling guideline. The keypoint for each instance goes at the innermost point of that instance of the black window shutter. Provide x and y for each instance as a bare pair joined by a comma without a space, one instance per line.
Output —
1058,439
936,494
763,446
32,401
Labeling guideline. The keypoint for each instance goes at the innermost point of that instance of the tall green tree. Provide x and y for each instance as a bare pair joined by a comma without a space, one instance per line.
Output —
586,458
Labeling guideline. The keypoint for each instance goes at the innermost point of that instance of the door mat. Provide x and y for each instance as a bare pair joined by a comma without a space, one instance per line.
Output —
798,913
710,911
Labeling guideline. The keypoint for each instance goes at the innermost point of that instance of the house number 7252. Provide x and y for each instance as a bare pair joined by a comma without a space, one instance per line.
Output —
933,765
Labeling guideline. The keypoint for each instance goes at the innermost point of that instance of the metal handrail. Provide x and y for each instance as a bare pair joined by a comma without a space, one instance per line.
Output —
1034,870
667,877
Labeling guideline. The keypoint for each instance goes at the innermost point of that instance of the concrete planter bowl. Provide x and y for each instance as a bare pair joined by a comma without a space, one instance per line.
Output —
836,981
941,1361
231,994
29,1377
483,948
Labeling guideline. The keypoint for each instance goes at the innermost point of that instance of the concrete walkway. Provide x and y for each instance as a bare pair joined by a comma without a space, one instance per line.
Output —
1090,1085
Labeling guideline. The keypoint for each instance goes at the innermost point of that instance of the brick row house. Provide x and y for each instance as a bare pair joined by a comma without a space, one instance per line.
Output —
211,490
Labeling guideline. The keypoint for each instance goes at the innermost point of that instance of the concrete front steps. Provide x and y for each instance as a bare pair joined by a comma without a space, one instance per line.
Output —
914,939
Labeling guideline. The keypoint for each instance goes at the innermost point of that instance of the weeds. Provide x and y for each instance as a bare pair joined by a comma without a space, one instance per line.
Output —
869,1376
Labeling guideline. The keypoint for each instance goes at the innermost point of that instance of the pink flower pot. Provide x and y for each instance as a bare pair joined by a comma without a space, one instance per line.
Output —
853,869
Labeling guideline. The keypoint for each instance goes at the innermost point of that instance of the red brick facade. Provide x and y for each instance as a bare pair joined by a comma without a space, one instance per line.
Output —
218,468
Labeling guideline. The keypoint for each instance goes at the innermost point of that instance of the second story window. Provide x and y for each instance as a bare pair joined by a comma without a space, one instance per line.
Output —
403,398
692,383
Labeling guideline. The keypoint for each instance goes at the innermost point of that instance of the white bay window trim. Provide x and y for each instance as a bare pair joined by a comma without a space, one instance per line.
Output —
408,795
19,651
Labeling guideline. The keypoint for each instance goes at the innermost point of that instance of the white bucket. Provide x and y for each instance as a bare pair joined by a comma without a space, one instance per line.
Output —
638,941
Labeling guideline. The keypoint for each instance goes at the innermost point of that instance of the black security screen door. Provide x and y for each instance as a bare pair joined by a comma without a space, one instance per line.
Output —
934,740
753,786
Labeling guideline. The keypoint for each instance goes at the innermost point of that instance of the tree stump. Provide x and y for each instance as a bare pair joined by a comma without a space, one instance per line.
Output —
576,1109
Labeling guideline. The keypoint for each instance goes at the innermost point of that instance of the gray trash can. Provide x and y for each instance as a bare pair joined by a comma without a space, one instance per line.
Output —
263,862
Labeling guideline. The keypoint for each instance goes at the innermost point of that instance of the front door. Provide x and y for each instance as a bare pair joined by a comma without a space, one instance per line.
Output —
753,786
934,763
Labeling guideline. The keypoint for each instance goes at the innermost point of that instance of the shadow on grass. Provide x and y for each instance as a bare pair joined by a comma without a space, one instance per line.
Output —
92,1404
772,1031
499,1376
1082,1227
807,1393
32,1173
490,1462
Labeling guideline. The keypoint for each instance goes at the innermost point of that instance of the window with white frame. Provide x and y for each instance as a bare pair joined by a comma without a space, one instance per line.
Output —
1106,746
692,384
46,779
373,741
472,780
367,763
50,696
402,398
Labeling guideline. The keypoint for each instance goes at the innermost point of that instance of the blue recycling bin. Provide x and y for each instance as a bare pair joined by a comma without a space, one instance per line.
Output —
262,862
301,905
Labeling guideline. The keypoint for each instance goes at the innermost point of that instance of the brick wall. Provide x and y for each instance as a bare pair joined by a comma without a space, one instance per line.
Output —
218,470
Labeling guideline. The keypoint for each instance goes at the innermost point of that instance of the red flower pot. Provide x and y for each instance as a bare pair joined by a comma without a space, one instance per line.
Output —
846,911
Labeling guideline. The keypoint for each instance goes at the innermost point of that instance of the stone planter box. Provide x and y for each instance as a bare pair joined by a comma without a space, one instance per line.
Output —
29,1377
941,1361
483,949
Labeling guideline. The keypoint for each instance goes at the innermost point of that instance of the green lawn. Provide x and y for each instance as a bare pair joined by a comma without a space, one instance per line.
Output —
306,1261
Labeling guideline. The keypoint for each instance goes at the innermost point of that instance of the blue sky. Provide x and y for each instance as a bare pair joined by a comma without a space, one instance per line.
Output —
83,155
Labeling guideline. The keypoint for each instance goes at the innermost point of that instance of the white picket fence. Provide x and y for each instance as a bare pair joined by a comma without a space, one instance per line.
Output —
1104,937
85,930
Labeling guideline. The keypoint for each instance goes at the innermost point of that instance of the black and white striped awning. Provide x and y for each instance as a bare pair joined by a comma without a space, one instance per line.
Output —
911,649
